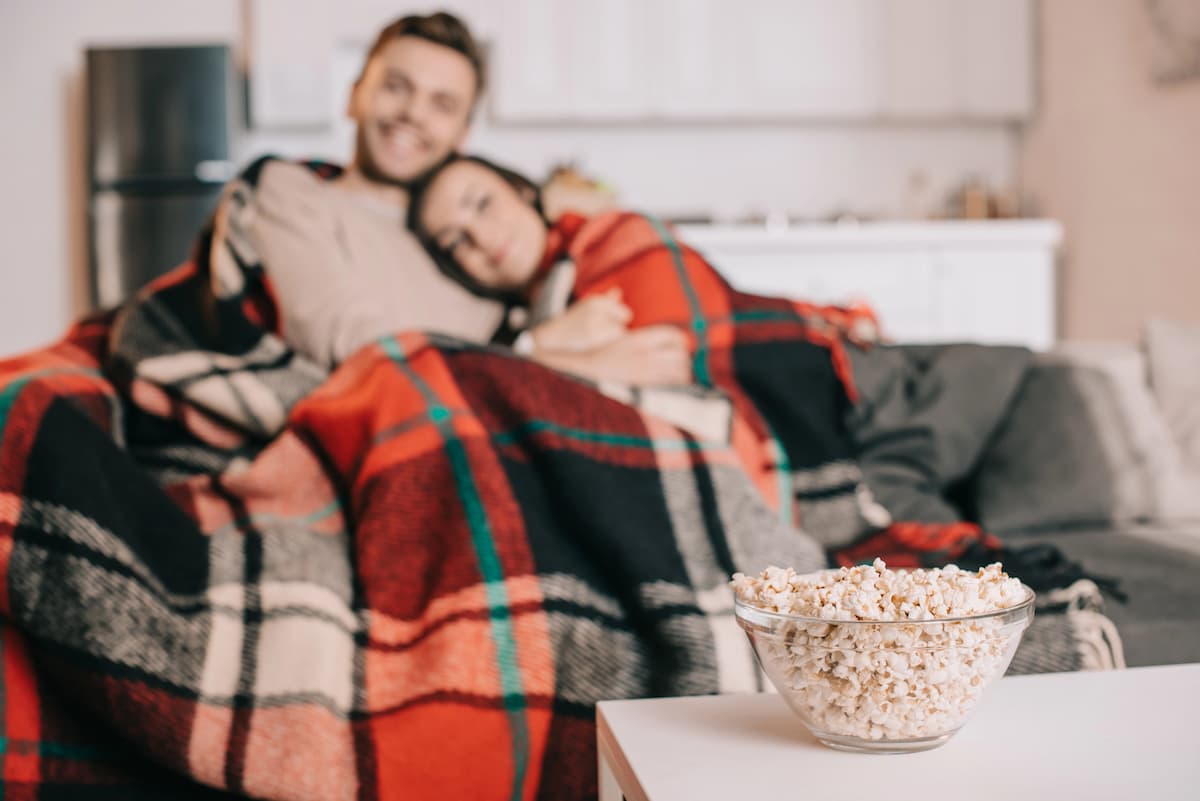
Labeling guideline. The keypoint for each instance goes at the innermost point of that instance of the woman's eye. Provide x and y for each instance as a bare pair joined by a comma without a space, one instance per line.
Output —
484,202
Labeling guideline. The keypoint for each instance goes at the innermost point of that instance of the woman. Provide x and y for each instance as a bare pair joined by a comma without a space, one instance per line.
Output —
644,309
784,364
491,219
637,294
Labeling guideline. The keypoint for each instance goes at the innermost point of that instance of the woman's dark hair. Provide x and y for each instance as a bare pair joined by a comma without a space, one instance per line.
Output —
445,261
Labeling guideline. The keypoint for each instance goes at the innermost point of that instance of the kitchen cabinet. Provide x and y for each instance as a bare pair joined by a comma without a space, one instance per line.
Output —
969,59
568,59
610,44
696,74
810,58
531,61
298,52
997,54
1004,293
920,56
679,60
579,60
990,282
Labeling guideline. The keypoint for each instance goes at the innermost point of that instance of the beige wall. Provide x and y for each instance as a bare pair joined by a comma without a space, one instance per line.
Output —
1116,158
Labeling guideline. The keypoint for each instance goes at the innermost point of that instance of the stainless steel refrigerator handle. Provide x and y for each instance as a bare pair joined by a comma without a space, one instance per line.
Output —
216,171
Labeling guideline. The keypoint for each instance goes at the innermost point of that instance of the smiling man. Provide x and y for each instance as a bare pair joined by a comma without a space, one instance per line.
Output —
343,267
413,100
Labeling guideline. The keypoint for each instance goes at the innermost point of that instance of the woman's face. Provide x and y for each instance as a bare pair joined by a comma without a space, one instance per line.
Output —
494,233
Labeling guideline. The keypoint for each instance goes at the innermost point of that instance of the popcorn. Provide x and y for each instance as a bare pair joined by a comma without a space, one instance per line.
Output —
872,662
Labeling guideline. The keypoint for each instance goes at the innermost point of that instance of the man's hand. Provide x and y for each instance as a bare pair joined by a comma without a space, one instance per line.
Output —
648,356
589,324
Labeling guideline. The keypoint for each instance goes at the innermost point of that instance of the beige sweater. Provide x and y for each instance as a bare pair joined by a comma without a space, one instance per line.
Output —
346,271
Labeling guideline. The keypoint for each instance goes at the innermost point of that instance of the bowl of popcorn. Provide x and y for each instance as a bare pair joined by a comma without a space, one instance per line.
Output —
881,660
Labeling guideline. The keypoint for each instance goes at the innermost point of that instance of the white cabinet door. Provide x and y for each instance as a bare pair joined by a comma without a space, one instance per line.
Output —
573,59
894,58
998,296
959,58
609,51
896,283
698,61
993,283
531,60
303,56
684,59
919,58
995,58
811,58
290,64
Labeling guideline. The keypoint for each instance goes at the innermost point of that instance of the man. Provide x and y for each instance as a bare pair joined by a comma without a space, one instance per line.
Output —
343,267
413,102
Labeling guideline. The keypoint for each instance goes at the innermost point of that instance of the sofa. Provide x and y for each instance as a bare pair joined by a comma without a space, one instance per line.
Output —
1099,457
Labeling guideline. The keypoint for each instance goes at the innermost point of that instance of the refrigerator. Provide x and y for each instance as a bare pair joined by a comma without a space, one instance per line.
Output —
160,130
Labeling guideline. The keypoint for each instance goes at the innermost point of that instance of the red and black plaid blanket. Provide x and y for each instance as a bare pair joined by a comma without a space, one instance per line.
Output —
225,571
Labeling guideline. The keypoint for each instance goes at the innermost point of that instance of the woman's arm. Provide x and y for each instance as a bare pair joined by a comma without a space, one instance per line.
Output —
656,355
588,324
591,338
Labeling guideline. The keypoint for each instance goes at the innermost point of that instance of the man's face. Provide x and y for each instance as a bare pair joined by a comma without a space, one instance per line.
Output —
412,105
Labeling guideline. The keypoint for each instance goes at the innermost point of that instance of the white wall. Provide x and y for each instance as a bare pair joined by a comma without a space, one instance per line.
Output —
729,169
42,209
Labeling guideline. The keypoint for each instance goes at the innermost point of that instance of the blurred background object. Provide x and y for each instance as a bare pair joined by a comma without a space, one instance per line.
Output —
160,127
1176,39
567,189
976,200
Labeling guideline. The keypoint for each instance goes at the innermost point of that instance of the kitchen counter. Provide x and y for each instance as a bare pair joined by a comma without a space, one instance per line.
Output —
918,233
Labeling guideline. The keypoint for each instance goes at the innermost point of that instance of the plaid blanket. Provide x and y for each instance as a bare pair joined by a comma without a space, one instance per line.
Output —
225,571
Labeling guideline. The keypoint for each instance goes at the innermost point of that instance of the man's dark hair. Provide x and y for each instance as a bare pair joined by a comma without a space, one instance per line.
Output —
440,28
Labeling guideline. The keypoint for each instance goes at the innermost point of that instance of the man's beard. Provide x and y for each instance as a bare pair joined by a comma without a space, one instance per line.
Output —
371,171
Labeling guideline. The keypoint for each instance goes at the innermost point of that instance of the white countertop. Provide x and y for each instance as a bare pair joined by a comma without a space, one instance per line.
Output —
1022,233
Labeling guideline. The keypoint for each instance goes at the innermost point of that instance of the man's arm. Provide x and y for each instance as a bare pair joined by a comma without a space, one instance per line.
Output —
346,272
295,233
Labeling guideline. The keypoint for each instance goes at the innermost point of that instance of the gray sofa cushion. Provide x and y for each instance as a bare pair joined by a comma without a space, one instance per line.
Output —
1157,568
925,414
1084,444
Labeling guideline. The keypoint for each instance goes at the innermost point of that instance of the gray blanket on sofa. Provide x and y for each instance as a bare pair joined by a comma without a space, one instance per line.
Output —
925,416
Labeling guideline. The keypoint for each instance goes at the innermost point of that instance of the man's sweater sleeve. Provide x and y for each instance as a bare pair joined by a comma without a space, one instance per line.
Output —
296,234
335,295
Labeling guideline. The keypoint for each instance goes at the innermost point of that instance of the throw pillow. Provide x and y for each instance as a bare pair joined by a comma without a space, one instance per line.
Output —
1084,444
1173,349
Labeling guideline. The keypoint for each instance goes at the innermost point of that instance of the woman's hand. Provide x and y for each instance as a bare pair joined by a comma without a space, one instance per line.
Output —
648,356
591,323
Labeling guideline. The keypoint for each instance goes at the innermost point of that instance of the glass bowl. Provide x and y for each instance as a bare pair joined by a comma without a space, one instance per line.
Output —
884,686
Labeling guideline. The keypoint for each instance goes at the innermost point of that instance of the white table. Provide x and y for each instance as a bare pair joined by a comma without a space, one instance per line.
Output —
1131,734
